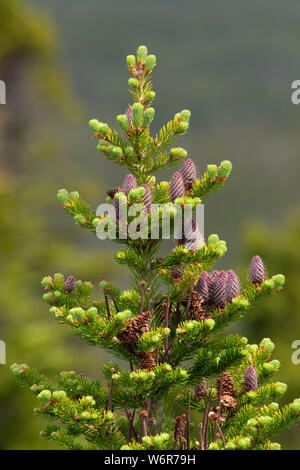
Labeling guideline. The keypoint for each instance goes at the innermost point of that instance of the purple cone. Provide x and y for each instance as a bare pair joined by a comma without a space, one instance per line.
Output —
202,286
177,186
219,290
147,199
117,207
129,184
188,174
250,379
129,114
232,286
70,284
192,236
256,270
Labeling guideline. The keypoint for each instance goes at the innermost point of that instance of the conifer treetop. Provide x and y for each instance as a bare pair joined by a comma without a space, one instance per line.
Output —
164,324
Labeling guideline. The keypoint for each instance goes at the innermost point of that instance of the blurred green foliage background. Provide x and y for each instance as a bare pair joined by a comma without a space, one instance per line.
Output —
232,63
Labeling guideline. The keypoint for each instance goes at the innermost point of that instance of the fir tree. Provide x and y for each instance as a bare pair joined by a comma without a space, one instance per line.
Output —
165,325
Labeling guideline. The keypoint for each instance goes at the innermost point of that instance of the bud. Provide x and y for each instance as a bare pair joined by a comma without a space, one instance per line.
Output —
46,281
115,151
88,400
77,313
264,420
79,219
176,186
92,312
129,184
123,316
188,174
256,270
44,396
59,394
295,407
267,345
213,239
129,151
281,388
150,62
142,53
103,128
212,171
130,59
244,443
94,124
183,126
123,122
133,82
63,196
225,168
278,280
148,117
275,446
185,114
70,284
74,195
213,446
150,96
137,114
272,366
250,379
48,297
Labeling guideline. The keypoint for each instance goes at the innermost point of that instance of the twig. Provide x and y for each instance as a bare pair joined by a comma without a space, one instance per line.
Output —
107,306
205,421
221,434
188,421
148,299
167,320
218,408
188,306
111,391
143,428
143,283
113,299
201,442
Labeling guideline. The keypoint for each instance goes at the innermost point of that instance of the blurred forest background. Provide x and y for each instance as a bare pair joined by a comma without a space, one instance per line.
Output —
232,63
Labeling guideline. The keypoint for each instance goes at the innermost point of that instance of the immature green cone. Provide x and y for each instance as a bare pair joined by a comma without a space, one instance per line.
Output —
123,122
150,62
137,114
148,117
130,59
142,53
225,168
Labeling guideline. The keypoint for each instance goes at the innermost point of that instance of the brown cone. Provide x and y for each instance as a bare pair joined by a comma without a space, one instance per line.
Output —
228,402
227,384
200,390
196,311
147,361
112,192
178,428
136,327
